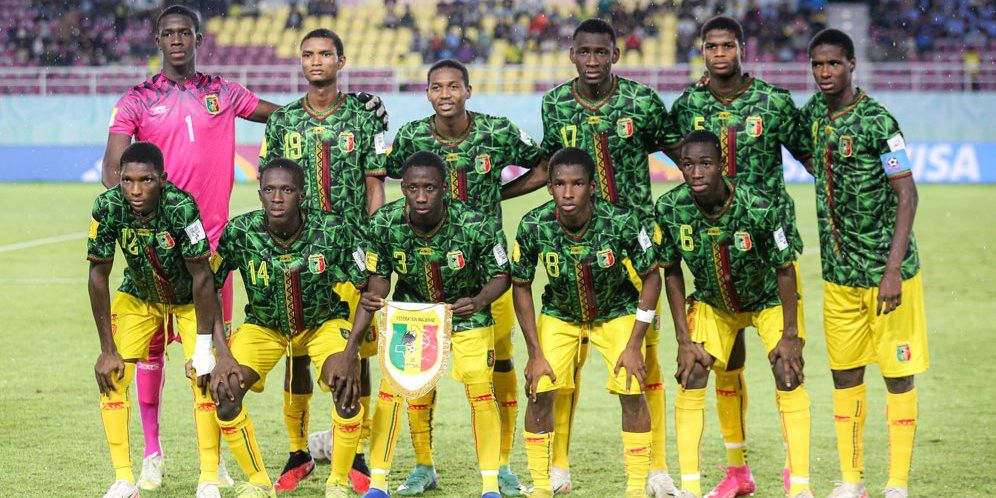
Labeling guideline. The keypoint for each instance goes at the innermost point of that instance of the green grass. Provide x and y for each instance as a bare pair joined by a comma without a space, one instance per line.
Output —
52,444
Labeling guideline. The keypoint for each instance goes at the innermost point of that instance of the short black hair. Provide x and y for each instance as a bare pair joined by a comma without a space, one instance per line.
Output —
572,156
180,10
833,37
452,63
596,26
425,159
328,34
145,153
725,23
285,164
702,137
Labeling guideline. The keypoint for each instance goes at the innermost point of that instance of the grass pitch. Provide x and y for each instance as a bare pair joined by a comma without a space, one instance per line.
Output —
52,444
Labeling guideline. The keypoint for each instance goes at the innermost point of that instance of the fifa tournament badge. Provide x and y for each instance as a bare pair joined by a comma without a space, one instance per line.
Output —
414,346
212,104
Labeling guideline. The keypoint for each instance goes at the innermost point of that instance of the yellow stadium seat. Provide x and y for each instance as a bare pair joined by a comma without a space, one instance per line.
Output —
213,25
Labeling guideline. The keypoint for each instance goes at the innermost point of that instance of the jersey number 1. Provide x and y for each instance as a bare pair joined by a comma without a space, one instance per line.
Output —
190,127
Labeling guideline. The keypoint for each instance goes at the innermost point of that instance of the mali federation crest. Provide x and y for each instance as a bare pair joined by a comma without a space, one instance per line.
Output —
414,346
316,263
212,104
846,146
165,240
624,127
455,260
606,258
903,352
347,142
742,241
754,125
482,163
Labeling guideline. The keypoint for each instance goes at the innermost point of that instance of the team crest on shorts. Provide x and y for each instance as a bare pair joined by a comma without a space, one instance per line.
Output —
624,127
846,146
606,258
491,358
454,259
903,352
212,104
316,263
347,142
742,241
482,163
344,333
754,126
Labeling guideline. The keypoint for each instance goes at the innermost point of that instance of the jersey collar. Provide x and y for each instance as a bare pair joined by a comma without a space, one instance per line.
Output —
162,82
858,98
452,143
286,244
578,235
730,97
589,105
431,233
726,206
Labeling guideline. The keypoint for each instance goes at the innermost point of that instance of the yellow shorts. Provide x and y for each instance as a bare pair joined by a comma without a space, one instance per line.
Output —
349,293
561,344
653,334
856,336
260,348
134,322
717,329
503,314
473,353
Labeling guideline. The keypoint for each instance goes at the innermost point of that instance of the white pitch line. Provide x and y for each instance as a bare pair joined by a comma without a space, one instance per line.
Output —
42,281
41,242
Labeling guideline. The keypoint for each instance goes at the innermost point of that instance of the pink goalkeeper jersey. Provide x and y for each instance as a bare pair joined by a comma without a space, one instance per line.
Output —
194,125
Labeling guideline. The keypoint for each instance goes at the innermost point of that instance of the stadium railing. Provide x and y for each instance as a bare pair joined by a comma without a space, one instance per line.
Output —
913,77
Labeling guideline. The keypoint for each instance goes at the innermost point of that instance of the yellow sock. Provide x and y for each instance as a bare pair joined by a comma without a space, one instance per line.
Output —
486,423
654,392
689,421
345,434
849,413
507,394
538,456
114,411
901,412
794,407
361,445
208,435
420,413
384,436
636,458
731,407
297,408
241,437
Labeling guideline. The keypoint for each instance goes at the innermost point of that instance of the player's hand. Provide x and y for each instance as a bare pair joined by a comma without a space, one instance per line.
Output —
375,104
342,375
188,369
703,80
536,368
788,351
689,354
371,302
890,293
465,307
223,374
632,360
109,368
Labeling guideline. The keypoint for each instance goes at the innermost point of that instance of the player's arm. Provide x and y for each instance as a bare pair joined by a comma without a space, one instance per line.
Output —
890,288
344,374
788,351
632,359
689,353
206,308
110,366
226,369
527,182
537,366
375,193
110,174
467,306
262,111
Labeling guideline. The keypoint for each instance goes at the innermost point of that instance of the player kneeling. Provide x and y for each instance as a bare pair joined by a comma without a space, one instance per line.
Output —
290,260
733,242
582,242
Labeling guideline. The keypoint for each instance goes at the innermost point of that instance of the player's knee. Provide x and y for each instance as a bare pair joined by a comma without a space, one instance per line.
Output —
846,379
780,372
504,365
633,405
228,409
698,378
348,411
899,385
539,413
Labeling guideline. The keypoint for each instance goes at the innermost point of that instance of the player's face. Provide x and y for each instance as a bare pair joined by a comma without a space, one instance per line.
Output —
593,54
320,61
142,186
424,194
701,168
447,92
177,40
722,53
571,188
831,68
280,194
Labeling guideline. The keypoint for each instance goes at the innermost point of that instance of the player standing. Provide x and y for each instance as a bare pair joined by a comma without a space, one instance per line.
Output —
581,242
442,251
753,120
340,145
733,240
873,309
290,259
476,147
159,229
618,122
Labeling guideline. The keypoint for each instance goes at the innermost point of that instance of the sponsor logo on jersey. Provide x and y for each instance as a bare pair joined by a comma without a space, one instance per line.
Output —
316,263
754,126
903,352
606,258
624,127
846,146
165,240
594,119
454,259
714,231
482,163
742,241
212,104
724,115
347,142
425,251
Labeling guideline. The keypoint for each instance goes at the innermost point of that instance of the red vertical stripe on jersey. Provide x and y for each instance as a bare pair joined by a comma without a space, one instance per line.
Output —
731,151
162,285
589,289
461,184
298,310
435,282
326,176
831,186
728,287
606,172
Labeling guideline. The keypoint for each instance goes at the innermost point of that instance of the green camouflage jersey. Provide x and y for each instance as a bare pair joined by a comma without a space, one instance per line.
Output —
337,149
474,160
453,261
856,151
587,280
618,131
289,283
155,247
733,254
752,124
